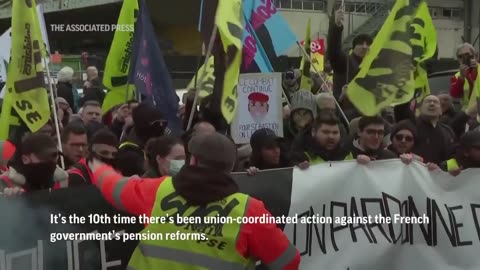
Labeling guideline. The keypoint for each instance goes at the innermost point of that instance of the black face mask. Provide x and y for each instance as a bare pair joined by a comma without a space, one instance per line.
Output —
39,175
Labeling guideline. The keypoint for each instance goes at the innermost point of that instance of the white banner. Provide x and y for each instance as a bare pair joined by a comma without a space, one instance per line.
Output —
259,105
446,237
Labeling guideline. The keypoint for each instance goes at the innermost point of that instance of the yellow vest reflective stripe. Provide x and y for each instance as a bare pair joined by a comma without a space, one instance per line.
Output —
452,165
122,145
318,160
466,91
218,251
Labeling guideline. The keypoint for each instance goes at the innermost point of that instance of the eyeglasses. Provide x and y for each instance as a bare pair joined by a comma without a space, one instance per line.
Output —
379,132
400,137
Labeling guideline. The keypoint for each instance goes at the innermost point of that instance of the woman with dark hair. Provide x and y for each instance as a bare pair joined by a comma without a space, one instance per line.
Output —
164,156
267,151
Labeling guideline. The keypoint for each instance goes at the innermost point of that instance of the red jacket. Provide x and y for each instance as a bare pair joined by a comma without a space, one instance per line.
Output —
457,83
137,196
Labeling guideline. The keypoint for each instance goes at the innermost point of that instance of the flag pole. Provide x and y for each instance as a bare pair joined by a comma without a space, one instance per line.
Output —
307,57
204,74
55,116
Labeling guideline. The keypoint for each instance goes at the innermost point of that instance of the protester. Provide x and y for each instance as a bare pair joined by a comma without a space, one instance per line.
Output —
303,112
435,139
64,111
165,156
467,154
120,119
448,110
74,143
199,185
403,138
65,87
345,67
148,123
326,105
322,144
371,130
268,151
92,89
91,111
462,83
104,147
36,169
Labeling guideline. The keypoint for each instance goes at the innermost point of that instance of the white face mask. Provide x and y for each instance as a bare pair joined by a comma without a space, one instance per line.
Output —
175,167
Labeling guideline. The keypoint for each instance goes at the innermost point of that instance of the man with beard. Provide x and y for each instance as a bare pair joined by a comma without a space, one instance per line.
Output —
35,167
323,144
104,147
371,130
467,156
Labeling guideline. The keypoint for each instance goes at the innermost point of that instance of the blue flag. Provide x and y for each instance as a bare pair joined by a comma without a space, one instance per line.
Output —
149,72
267,35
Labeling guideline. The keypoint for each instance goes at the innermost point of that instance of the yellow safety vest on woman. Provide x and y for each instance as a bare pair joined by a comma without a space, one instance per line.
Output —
218,252
317,160
452,165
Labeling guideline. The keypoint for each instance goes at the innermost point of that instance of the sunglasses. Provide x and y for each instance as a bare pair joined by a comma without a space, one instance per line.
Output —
400,137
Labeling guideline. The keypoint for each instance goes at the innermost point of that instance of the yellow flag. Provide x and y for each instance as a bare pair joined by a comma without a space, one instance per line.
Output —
386,75
306,81
424,47
25,88
206,87
117,65
230,27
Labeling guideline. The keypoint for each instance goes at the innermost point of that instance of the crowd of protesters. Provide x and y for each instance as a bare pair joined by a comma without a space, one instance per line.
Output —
134,137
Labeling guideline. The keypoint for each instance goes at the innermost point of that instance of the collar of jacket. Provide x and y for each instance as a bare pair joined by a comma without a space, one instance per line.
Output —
200,186
361,151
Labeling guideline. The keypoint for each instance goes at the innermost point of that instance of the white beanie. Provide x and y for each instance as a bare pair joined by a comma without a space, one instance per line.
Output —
65,74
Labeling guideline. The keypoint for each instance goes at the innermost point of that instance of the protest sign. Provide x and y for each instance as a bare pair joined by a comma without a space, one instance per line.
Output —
445,223
259,105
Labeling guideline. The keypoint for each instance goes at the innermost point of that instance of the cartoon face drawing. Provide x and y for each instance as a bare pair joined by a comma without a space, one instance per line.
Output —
258,106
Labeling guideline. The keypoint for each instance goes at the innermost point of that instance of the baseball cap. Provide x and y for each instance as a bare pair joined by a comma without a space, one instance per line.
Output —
263,137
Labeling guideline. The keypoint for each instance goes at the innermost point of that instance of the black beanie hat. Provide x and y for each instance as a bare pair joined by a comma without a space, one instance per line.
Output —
405,124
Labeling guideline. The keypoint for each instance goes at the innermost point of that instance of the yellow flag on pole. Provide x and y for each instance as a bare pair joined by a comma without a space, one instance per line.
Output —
229,21
117,66
388,73
25,88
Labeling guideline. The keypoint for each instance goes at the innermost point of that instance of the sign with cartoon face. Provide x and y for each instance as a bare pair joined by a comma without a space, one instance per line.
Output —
259,105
